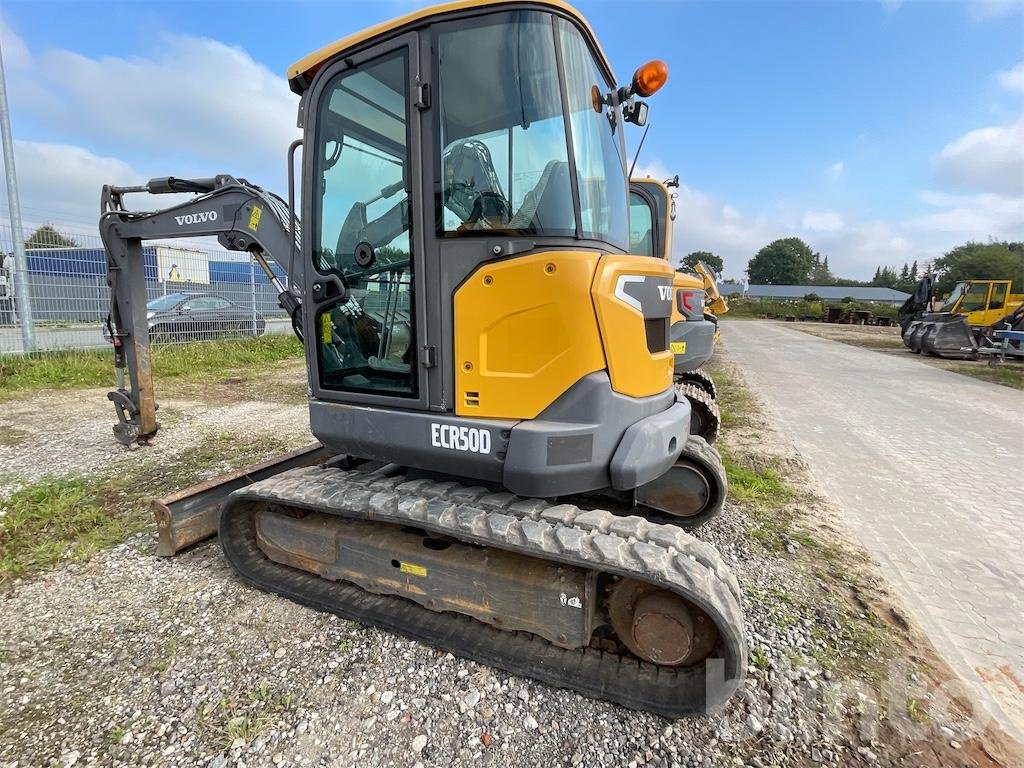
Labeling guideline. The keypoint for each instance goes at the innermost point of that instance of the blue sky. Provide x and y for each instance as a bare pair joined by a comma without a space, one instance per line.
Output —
881,132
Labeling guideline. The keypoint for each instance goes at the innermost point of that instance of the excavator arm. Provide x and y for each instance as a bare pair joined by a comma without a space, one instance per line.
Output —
714,302
242,216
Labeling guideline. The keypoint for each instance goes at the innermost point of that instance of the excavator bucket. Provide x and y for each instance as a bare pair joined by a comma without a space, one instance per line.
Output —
950,337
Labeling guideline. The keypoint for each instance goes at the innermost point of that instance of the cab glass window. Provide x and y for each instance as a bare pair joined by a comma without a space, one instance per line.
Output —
597,142
998,299
641,226
366,344
976,298
503,155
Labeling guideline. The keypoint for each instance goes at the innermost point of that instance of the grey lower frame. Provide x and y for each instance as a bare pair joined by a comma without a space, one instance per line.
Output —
589,439
699,336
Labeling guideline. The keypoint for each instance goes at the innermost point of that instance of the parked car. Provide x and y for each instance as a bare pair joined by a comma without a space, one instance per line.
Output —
200,316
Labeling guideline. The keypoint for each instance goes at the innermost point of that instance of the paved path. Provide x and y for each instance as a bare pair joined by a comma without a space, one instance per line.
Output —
928,469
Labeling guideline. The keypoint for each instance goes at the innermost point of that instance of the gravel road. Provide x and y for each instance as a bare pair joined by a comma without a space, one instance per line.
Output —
925,465
132,660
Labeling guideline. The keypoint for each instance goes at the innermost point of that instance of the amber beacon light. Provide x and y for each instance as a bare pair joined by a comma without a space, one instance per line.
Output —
649,78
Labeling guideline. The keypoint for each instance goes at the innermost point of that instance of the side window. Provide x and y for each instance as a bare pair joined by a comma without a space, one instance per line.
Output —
218,302
363,226
976,298
998,299
641,226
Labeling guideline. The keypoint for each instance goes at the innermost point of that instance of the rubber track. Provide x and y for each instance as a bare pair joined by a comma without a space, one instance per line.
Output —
594,539
701,379
705,407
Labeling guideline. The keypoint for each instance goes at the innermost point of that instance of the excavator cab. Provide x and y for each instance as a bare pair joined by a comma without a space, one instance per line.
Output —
489,365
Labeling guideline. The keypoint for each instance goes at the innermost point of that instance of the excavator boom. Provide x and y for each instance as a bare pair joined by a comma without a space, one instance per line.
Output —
242,216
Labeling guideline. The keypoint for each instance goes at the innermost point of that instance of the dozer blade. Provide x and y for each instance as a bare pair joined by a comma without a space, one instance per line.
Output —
190,515
638,613
949,336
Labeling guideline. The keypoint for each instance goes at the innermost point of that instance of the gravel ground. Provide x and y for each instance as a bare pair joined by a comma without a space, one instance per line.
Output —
133,660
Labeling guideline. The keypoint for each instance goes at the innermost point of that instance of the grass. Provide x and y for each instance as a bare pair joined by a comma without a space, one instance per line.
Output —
73,369
245,718
56,520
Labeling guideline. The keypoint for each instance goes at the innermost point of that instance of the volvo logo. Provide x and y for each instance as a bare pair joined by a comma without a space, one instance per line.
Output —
196,218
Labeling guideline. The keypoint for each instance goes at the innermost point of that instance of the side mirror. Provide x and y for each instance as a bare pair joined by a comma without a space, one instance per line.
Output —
184,309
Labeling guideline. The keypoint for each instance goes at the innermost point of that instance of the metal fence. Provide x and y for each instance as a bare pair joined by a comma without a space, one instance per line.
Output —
197,291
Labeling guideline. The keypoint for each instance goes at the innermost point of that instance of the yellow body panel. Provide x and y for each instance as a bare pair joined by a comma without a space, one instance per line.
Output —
633,370
315,60
525,332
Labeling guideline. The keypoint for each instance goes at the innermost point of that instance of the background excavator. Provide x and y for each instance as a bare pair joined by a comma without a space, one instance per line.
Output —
969,319
696,301
505,467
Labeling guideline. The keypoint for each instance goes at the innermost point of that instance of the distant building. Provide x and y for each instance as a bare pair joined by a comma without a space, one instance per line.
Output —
826,292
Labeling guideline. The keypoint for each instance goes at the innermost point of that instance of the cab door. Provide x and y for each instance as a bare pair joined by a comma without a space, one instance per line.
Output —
363,202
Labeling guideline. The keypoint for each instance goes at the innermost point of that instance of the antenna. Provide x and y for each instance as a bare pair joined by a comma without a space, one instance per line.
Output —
637,155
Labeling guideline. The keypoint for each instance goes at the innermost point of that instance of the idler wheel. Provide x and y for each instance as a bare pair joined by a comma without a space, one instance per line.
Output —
659,626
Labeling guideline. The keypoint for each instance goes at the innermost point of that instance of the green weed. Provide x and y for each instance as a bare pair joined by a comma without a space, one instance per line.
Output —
73,369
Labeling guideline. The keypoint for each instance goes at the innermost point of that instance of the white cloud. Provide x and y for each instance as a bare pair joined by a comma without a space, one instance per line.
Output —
986,160
1012,79
195,104
984,215
822,221
61,183
983,10
835,171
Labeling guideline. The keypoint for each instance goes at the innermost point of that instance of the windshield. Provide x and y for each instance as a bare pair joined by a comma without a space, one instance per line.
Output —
504,148
170,301
954,296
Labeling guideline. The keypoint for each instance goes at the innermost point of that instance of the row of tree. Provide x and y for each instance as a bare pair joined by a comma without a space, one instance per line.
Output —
790,261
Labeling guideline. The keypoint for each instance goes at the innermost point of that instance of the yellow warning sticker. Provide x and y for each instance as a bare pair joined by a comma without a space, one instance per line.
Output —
678,347
415,570
254,218
326,328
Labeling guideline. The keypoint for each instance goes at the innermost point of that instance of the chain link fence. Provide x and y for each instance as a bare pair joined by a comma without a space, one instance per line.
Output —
196,291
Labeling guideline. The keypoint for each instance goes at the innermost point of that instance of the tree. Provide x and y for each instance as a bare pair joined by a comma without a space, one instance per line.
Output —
783,262
905,272
984,261
48,237
714,263
913,271
820,274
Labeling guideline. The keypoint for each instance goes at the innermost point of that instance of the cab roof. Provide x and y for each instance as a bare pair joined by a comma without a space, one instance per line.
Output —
300,74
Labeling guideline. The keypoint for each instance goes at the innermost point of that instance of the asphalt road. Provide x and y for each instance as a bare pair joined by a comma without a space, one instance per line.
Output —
928,469
86,336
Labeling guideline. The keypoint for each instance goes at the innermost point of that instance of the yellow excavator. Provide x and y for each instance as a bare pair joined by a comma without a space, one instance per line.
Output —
969,319
505,467
696,301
